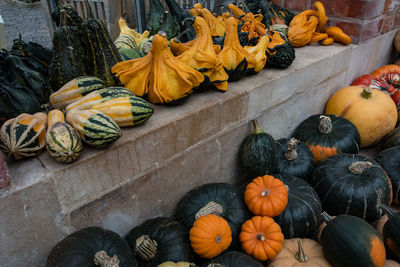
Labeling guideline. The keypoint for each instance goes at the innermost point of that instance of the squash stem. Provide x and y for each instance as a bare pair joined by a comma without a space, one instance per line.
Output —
102,259
367,92
387,210
257,127
301,255
359,167
146,248
260,237
210,208
326,217
291,149
325,124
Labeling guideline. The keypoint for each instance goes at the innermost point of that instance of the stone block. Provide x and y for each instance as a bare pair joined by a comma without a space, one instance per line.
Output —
371,29
396,22
3,40
387,23
360,9
4,172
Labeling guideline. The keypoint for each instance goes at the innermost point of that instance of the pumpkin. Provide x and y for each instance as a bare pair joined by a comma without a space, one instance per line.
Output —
389,160
338,35
372,111
300,252
266,196
23,136
159,240
391,263
258,152
352,184
301,216
92,246
232,259
350,241
327,135
280,52
294,158
388,73
158,75
261,238
210,235
62,140
391,236
391,139
177,264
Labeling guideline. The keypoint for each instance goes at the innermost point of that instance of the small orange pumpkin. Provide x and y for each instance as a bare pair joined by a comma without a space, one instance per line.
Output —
266,196
210,236
261,237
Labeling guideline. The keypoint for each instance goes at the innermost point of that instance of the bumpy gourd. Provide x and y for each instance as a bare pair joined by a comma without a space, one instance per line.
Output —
302,27
158,75
216,27
258,52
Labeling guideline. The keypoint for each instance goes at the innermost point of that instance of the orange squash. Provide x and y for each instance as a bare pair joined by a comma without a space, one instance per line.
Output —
210,235
302,27
338,35
372,111
261,237
266,196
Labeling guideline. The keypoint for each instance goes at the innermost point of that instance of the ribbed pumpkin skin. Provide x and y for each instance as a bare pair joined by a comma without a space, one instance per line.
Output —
74,90
391,235
23,136
344,137
94,127
63,142
302,167
302,214
78,249
343,192
391,139
233,259
228,196
349,241
172,241
389,160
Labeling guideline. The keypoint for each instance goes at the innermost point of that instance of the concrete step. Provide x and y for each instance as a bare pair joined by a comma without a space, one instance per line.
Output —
147,171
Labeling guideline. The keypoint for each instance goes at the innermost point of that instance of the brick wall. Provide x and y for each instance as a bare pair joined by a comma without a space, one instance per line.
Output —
361,19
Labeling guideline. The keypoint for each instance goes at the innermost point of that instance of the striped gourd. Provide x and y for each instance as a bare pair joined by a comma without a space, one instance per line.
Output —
62,140
126,111
98,96
125,41
23,136
94,127
74,90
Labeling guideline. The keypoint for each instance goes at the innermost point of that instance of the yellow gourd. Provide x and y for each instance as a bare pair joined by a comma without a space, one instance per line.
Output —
258,52
338,35
302,27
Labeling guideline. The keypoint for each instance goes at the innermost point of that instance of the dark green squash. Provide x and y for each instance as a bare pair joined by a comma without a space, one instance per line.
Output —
302,214
258,152
280,54
127,53
159,240
391,139
101,50
222,199
391,233
72,17
69,55
184,19
389,160
162,20
349,241
352,184
294,158
327,135
80,248
232,259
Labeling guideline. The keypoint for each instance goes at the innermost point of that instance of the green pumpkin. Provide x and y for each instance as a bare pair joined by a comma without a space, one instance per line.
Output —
391,235
258,152
391,139
159,240
232,259
87,246
389,160
350,241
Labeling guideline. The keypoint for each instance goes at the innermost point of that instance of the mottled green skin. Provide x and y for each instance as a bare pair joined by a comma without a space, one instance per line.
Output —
391,234
233,259
391,139
284,56
389,160
184,19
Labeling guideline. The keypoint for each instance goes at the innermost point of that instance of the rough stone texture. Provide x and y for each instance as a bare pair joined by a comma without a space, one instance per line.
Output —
4,172
147,171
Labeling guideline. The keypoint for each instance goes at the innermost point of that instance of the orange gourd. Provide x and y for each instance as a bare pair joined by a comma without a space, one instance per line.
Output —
258,52
322,18
328,41
261,237
302,27
266,196
338,35
210,235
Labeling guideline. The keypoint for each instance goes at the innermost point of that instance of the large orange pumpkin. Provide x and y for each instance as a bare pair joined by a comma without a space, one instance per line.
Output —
261,237
266,196
372,111
210,236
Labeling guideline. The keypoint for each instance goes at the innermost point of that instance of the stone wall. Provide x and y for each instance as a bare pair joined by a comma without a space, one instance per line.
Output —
361,19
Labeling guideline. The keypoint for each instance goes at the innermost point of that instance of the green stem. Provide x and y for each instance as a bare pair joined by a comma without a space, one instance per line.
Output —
387,210
367,92
301,255
326,217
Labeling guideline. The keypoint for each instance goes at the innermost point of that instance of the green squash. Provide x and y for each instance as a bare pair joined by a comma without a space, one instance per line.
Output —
161,20
389,160
280,52
391,235
90,246
128,53
72,17
125,41
183,18
350,241
391,139
258,152
159,240
232,259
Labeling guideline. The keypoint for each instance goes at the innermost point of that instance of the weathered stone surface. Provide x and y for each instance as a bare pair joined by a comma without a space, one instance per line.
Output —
4,172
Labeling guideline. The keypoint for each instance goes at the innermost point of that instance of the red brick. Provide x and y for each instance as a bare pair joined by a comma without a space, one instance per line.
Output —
396,22
387,23
278,2
4,173
300,5
361,9
370,30
390,5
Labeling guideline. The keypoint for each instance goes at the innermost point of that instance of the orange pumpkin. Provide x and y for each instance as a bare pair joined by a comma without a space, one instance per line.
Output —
372,111
210,236
261,237
266,196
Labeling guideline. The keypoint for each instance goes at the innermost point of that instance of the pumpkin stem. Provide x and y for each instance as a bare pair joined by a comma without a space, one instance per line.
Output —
256,127
301,255
291,149
359,166
210,208
387,210
367,92
325,124
146,247
260,237
218,239
265,193
89,12
102,259
326,217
